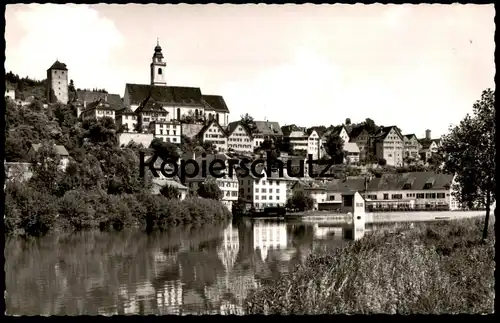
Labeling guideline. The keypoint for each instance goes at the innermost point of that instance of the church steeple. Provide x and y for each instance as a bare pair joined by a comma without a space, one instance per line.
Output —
158,66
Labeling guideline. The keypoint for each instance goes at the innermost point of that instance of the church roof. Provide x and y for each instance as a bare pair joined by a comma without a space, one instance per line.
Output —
114,100
181,95
58,66
216,102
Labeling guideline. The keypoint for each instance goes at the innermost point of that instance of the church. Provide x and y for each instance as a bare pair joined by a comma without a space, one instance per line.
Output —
179,102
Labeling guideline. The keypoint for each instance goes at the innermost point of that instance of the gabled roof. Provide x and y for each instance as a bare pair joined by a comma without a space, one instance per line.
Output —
208,125
232,126
60,149
114,100
99,104
164,94
410,136
355,132
216,102
58,66
268,128
392,182
125,111
150,105
288,129
351,147
318,130
384,132
344,186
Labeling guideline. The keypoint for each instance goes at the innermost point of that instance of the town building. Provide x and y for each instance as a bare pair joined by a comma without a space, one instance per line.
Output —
411,147
215,134
389,145
181,103
160,182
126,120
239,138
351,150
60,151
228,184
98,109
314,144
86,97
428,146
266,191
148,111
266,130
10,92
294,138
363,139
168,131
415,190
57,83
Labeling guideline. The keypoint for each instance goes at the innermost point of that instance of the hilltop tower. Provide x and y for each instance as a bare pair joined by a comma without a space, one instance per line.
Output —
57,83
158,67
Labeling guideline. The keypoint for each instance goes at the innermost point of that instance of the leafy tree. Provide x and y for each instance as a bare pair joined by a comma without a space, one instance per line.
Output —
101,131
300,200
165,150
46,167
334,147
370,126
382,162
210,190
469,153
248,122
170,192
209,147
348,121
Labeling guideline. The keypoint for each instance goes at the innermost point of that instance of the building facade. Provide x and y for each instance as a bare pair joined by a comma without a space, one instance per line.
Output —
239,138
181,103
168,131
214,134
389,145
98,109
411,147
57,83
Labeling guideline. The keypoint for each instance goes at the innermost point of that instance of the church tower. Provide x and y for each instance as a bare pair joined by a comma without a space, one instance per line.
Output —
158,67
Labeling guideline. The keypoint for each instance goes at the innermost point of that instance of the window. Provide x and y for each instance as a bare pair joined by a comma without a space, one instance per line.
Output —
270,197
256,197
332,198
160,71
386,196
397,196
420,195
256,190
264,190
440,195
277,198
277,190
263,197
270,190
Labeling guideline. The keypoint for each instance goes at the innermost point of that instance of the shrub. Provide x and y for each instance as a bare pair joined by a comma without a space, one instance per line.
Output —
29,211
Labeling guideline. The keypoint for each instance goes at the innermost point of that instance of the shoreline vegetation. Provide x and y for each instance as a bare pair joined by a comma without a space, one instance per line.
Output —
32,212
441,267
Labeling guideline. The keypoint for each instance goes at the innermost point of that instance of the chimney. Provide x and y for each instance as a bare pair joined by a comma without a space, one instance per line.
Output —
428,134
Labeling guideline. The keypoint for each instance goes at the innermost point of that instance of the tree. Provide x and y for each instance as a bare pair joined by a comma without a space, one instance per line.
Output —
382,162
334,147
165,150
170,192
46,167
210,190
101,131
248,122
348,121
371,126
469,153
209,147
300,200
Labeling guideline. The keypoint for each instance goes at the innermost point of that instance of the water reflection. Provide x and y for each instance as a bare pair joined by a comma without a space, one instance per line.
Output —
185,270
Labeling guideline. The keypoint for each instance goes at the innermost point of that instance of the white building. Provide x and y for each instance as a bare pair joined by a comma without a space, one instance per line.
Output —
180,102
314,144
214,134
266,191
98,109
239,138
228,184
168,131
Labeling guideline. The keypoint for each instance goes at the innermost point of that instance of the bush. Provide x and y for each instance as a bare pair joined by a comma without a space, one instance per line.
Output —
28,211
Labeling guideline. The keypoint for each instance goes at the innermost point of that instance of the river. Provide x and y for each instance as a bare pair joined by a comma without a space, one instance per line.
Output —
185,270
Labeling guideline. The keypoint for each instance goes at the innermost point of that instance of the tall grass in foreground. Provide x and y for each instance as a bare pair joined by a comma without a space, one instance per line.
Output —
440,267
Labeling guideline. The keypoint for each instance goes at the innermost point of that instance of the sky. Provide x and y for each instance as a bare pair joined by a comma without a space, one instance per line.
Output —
415,66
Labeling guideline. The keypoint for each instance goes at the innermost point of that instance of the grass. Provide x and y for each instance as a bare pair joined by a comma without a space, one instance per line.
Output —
439,267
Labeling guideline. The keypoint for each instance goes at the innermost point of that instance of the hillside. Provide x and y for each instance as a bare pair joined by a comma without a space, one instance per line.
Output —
26,87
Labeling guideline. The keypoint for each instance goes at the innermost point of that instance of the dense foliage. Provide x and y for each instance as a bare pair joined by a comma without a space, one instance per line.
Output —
300,200
470,153
97,187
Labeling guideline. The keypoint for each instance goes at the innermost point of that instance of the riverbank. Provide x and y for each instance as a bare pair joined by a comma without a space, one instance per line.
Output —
31,212
437,267
381,217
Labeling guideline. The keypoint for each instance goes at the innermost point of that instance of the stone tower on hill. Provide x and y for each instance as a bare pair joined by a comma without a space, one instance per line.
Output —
57,83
